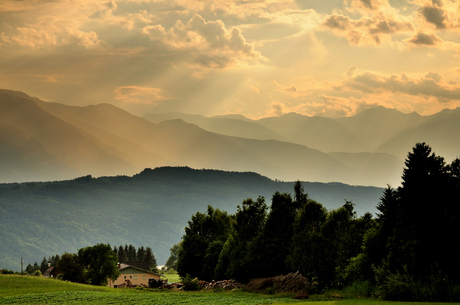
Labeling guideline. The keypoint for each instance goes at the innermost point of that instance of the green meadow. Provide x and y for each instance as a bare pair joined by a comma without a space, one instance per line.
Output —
16,289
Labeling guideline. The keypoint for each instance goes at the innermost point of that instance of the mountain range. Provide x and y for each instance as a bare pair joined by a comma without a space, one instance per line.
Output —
43,141
137,184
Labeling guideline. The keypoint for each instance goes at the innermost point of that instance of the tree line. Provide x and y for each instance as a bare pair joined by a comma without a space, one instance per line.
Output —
409,251
97,264
37,269
94,264
128,253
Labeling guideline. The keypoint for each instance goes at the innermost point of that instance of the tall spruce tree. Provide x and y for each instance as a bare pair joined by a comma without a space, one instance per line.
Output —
140,256
122,256
44,265
130,252
149,258
416,244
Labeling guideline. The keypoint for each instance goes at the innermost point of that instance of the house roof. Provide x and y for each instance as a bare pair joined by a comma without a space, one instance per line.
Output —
51,271
139,264
126,266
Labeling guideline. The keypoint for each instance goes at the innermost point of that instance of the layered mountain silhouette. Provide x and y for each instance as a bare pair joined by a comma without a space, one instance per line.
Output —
42,141
371,144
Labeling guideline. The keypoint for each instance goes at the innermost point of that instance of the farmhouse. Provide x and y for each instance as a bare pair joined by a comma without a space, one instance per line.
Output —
135,275
52,272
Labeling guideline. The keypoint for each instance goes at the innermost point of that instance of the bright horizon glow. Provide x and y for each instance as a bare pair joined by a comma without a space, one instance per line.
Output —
254,58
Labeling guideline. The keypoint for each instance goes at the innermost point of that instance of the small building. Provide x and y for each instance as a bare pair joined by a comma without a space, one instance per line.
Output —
134,275
52,272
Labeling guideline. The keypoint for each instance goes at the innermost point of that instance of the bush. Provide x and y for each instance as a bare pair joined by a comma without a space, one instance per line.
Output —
358,289
403,287
6,271
37,273
190,284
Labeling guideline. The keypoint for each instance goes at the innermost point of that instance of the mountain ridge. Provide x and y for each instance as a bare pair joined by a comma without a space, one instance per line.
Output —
150,208
53,141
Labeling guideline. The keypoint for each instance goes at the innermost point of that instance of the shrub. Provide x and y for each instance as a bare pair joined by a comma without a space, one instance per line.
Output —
358,289
190,284
37,273
6,271
403,287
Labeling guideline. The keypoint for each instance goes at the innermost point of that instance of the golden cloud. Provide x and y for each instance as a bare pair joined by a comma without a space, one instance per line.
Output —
139,95
292,90
322,105
429,85
367,30
212,44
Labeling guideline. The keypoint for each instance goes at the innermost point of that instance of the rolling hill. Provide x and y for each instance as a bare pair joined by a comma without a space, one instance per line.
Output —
150,208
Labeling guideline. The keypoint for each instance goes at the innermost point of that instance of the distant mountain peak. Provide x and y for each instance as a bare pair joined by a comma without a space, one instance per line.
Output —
231,116
384,111
294,114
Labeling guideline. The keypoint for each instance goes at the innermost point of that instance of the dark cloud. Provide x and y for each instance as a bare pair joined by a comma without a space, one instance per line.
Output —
435,76
425,39
367,3
339,22
434,15
442,14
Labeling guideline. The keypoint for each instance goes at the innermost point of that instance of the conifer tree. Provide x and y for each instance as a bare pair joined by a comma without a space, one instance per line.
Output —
131,252
122,256
44,265
140,254
149,258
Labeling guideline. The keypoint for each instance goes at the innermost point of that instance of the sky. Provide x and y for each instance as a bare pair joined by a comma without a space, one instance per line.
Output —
257,58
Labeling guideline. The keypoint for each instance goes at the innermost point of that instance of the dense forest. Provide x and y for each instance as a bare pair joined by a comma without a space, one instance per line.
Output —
408,252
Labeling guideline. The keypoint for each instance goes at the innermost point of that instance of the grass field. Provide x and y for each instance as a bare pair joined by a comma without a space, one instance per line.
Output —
171,275
16,289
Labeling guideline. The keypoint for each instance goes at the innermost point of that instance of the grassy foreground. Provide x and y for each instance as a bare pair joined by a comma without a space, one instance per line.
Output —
32,290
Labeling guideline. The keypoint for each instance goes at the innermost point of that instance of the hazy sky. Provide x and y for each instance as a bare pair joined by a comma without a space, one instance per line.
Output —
253,57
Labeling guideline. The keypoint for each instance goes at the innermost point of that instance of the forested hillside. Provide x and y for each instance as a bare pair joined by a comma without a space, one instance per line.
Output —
409,252
147,209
